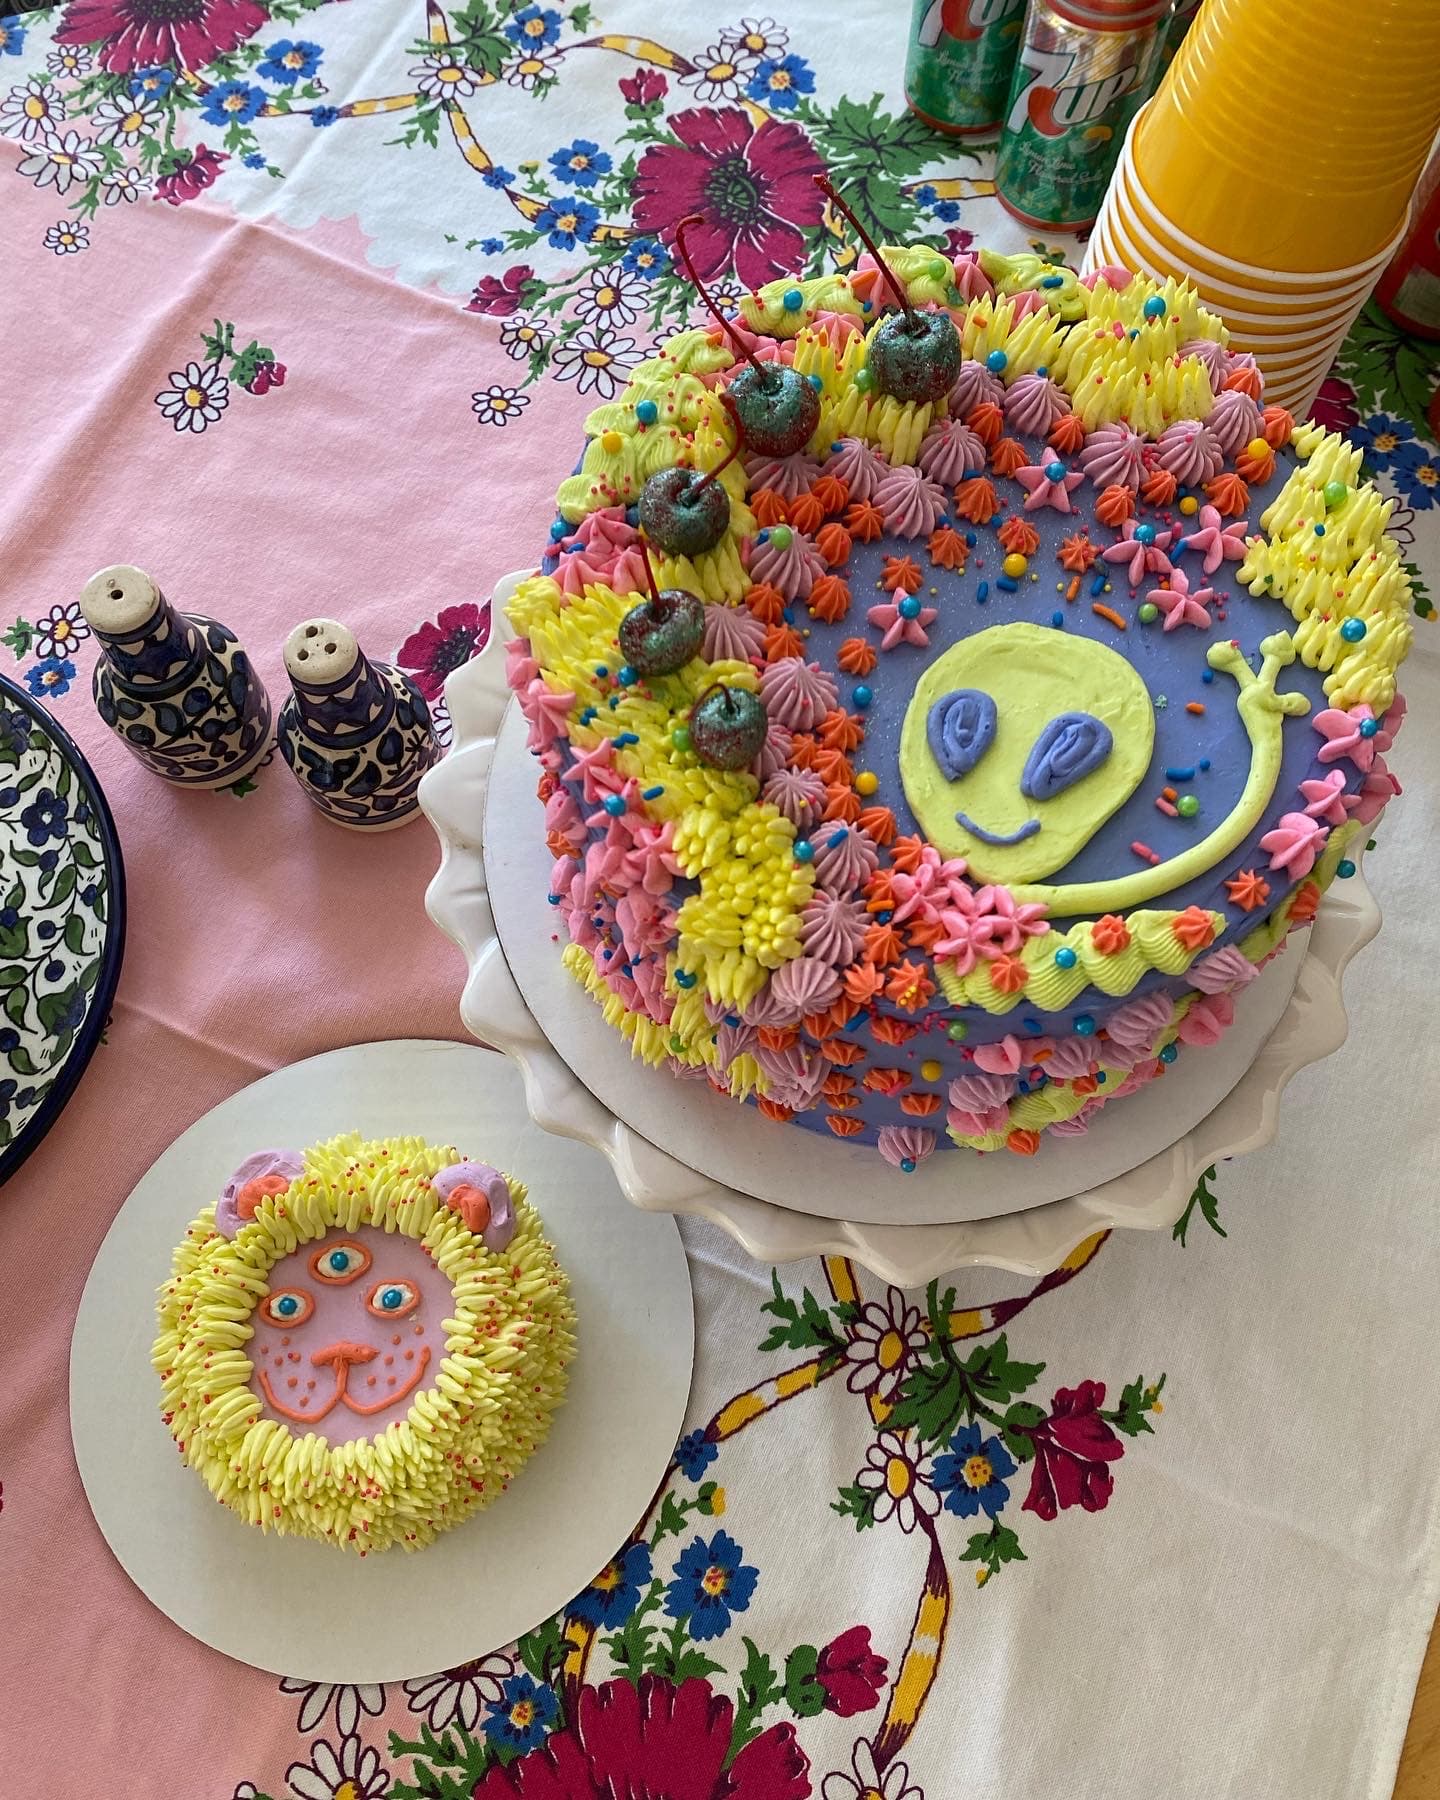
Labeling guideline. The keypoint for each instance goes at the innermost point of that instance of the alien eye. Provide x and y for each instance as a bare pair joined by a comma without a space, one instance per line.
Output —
959,729
339,1263
393,1299
1071,746
287,1306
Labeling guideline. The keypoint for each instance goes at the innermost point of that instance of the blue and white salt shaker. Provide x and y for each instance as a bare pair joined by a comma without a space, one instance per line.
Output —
176,688
356,733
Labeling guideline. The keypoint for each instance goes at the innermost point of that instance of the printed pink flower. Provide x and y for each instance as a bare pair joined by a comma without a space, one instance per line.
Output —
754,189
192,177
499,297
1295,843
1045,490
441,645
850,1672
1179,605
644,87
1334,406
1072,1448
898,628
1141,557
1344,736
135,34
1327,799
1219,539
653,1738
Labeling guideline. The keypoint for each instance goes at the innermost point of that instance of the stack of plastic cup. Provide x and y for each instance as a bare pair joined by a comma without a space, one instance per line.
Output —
1282,226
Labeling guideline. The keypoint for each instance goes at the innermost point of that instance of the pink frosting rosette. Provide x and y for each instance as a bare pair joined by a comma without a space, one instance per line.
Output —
950,451
979,1122
1034,403
1114,455
804,985
861,467
775,751
521,667
845,859
1295,843
733,1041
1133,1030
1069,1059
732,634
793,568
910,502
1002,1058
972,281
798,794
973,385
1208,352
832,929
905,1146
1235,420
1079,1124
789,476
1190,452
975,1093
1223,971
796,693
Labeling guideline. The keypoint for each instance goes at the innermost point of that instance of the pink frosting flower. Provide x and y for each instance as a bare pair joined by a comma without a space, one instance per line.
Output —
1391,723
950,451
860,467
799,794
1142,558
804,985
789,476
898,629
1179,605
1377,791
650,861
1327,799
905,1146
793,566
1208,1019
978,1122
1343,736
932,885
832,929
972,387
1295,843
1006,1057
1223,971
910,502
1079,1123
1191,452
1219,539
547,712
521,667
1001,925
797,694
732,634
1114,455
1042,489
1034,403
596,772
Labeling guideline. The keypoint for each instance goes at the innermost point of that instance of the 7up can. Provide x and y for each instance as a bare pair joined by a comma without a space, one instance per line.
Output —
962,52
1084,69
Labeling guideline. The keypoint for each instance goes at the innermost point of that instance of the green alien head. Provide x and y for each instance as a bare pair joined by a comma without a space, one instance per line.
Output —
1018,745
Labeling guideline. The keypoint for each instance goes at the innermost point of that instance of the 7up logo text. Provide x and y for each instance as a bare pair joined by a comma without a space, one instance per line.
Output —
1052,107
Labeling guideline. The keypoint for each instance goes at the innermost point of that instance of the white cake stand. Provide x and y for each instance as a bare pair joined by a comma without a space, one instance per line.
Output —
784,1193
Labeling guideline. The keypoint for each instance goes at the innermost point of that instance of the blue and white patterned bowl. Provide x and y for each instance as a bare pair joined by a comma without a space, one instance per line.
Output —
62,921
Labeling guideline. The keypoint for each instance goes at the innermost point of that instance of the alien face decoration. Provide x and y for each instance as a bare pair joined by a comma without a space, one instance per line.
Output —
351,1328
1019,743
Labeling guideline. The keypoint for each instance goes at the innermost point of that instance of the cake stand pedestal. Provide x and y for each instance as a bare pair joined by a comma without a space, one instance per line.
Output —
677,1147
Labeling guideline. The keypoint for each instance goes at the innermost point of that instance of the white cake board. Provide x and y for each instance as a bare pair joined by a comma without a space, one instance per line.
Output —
306,1609
811,1171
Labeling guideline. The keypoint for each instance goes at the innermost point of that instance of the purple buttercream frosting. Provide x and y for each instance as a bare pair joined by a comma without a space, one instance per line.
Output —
493,1185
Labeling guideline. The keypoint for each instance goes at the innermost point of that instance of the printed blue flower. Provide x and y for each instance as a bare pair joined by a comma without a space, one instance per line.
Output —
232,103
972,1477
12,38
44,817
582,163
286,61
1382,438
533,26
498,177
157,81
781,80
615,1592
695,1453
255,160
50,678
948,210
925,195
525,1713
321,116
647,258
1416,472
568,222
710,1584
491,246
8,1091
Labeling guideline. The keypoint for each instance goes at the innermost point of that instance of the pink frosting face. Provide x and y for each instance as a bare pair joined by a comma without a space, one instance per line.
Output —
352,1328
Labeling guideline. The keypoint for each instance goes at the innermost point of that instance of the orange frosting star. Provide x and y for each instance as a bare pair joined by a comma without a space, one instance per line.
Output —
845,1102
778,1037
1158,488
906,853
1306,903
1248,889
1019,536
885,1081
901,571
842,805
1254,467
909,986
1008,974
1277,426
880,892
1008,456
772,1109
1192,928
768,507
975,500
1110,935
832,493
829,599
803,750
864,521
806,513
948,550
766,602
833,767
840,730
837,1082
1115,505
782,640
1023,1142
1229,494
987,422
856,656
824,1024
842,1124
1067,434
842,1051
879,821
1246,381
920,1106
833,542
882,945
886,1030
863,983
1076,553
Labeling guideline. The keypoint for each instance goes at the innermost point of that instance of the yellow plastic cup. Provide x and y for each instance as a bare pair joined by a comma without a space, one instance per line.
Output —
1291,133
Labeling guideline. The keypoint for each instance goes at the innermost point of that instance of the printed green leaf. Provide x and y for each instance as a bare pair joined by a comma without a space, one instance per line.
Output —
543,1650
1020,1420
74,933
1136,1400
995,1377
1204,1198
803,1326
14,939
803,1693
1390,371
759,1689
992,1549
856,1503
21,1062
19,637
932,1401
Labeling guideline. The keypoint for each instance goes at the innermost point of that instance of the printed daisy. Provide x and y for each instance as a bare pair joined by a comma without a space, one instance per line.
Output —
60,161
195,398
609,297
440,723
69,59
123,184
349,1702
498,405
867,1782
33,110
65,239
355,1774
455,1696
442,78
720,73
520,338
125,121
595,362
756,37
900,1483
884,1340
530,70
61,629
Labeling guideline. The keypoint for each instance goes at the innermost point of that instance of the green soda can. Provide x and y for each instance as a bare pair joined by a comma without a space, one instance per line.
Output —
1084,69
962,54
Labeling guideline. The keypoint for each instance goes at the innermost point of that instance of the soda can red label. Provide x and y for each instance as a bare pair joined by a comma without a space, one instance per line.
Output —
1075,90
962,52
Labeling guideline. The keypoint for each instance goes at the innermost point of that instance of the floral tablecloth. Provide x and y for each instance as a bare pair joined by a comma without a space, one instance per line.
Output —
302,302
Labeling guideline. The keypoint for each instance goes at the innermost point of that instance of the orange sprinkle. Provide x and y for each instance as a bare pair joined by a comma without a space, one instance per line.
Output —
1067,434
1108,613
948,550
766,602
987,422
840,730
831,492
829,598
1115,505
1074,588
772,1109
863,982
1077,553
1168,792
806,513
865,521
1195,706
768,507
879,821
782,640
901,571
856,656
833,543
920,1106
841,1124
975,499
1019,536
1008,456
886,1030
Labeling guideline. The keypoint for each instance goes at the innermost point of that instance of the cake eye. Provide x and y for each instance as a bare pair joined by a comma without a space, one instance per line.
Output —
393,1299
287,1306
339,1263
959,728
1071,746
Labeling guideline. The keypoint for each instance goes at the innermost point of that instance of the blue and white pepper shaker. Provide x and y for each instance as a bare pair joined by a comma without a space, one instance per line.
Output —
176,688
356,733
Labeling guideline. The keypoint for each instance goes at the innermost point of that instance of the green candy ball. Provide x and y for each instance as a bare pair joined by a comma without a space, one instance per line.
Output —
1149,613
1335,493
1187,806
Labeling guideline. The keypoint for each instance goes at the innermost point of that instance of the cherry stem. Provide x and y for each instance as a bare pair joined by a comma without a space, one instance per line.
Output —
719,317
828,191
734,450
649,572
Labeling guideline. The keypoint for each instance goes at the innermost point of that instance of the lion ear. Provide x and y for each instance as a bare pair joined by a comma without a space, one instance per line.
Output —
260,1172
481,1196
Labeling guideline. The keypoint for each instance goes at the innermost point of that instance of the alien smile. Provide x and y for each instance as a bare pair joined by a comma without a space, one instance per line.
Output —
1018,836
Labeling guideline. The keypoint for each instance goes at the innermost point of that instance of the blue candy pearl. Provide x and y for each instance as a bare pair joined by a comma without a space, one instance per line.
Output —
1353,630
684,979
1055,471
1155,307
1033,1026
1145,534
804,850
1345,868
1065,957
339,1260
1368,727
614,804
792,300
1169,1053
909,607
558,531
907,1165
1084,1025
996,361
627,676
816,382
647,412
861,696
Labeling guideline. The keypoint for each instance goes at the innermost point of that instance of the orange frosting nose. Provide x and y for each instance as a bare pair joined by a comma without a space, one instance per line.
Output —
344,1353
471,1205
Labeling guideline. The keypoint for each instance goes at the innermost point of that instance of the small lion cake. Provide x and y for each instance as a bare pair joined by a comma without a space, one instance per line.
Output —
364,1341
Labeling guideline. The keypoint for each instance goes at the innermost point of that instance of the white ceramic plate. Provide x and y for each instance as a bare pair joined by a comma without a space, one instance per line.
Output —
306,1609
1141,1180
